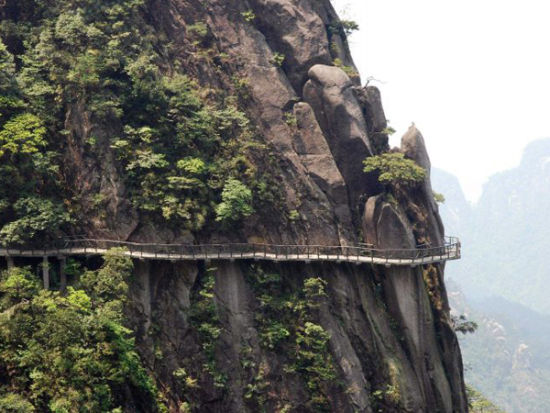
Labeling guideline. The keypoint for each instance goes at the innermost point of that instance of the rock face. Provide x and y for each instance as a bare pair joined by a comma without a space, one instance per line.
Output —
391,342
254,336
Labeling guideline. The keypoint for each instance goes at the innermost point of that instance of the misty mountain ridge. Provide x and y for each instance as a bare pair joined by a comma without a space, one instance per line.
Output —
500,283
506,232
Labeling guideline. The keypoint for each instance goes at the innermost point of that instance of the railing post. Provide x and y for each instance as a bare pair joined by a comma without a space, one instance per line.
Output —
46,272
62,274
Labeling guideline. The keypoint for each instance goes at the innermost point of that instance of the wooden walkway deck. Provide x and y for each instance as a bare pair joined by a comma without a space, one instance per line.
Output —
303,253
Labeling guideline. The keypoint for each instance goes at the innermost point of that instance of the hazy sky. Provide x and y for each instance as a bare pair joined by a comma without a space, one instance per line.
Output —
473,75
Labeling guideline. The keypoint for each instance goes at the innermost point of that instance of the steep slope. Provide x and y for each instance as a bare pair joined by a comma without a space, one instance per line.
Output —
193,121
506,358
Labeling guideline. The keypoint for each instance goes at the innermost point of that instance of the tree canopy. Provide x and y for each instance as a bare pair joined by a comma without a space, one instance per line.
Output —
394,168
72,352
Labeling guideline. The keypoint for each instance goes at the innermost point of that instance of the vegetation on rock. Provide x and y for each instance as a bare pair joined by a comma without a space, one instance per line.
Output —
89,74
61,352
394,168
288,323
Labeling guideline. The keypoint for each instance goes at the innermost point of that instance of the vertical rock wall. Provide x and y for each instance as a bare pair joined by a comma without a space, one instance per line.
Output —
390,335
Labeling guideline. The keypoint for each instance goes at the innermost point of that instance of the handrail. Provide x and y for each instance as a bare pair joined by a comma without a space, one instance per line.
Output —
275,252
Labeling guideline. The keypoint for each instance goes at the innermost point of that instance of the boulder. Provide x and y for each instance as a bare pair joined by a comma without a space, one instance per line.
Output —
386,226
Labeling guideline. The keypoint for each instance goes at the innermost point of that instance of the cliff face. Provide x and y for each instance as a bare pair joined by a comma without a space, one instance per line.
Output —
391,345
236,337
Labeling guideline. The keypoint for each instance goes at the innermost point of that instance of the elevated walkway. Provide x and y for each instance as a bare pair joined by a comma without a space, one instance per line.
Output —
305,253
358,254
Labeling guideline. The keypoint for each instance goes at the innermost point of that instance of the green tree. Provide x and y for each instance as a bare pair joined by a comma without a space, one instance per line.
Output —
34,217
70,352
478,403
22,134
236,202
394,169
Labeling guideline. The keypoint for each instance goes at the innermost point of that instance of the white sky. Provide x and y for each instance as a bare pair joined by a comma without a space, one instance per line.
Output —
473,75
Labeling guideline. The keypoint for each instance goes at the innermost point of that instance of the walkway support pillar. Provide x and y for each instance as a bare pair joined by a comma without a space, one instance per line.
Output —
62,274
46,272
10,262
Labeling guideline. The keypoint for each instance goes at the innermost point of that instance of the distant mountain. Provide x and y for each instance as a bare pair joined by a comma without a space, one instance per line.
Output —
506,358
455,212
505,276
506,235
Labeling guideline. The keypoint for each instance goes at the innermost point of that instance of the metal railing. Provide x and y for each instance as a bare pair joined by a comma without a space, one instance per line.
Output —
274,252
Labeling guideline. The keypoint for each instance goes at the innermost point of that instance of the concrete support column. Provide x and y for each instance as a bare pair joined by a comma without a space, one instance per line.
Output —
46,272
10,262
62,274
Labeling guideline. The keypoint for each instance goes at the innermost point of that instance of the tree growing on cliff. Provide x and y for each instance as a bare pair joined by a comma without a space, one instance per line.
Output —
236,202
394,169
72,352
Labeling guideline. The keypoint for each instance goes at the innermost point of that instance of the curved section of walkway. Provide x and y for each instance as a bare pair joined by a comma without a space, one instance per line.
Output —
303,253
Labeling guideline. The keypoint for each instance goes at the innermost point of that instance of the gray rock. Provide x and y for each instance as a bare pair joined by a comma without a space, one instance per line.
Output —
414,147
385,226
312,147
329,92
295,30
371,101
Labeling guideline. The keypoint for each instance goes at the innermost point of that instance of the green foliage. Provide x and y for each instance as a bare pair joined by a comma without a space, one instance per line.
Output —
290,119
286,320
278,59
294,215
346,27
273,334
349,26
14,403
394,168
477,403
176,167
73,352
199,29
248,15
388,131
204,318
17,285
462,325
100,62
7,70
34,217
439,198
348,70
23,134
236,202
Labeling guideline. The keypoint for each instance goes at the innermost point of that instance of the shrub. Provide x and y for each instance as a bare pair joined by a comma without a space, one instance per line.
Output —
70,352
35,217
394,168
440,198
22,134
462,325
248,15
236,202
348,70
278,59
